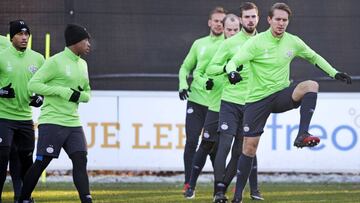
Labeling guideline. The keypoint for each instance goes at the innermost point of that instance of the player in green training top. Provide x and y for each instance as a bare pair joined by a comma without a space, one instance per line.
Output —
14,162
199,56
209,137
63,80
231,108
17,66
269,54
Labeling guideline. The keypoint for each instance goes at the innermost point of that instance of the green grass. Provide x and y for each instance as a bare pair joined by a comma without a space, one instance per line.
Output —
171,192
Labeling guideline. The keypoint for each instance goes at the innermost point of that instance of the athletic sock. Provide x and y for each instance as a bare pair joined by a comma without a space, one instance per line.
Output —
308,104
253,178
244,168
199,161
32,176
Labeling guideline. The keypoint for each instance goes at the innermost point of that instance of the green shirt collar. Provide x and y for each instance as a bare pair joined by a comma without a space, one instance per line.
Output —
275,39
18,53
215,38
71,54
243,32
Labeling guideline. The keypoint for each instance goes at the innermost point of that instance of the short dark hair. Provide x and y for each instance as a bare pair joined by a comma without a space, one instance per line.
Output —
217,9
247,6
232,17
280,6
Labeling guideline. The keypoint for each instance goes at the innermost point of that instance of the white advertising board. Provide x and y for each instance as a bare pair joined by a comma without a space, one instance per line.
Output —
145,131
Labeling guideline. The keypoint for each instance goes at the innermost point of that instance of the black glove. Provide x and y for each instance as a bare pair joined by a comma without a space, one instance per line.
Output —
344,77
36,100
209,84
183,94
7,92
234,77
75,95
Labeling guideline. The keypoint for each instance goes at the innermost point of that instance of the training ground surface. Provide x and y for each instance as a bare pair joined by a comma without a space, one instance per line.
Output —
171,192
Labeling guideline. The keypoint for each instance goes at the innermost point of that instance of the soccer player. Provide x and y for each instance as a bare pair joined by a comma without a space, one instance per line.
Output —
200,52
14,162
209,138
269,54
232,105
17,66
63,80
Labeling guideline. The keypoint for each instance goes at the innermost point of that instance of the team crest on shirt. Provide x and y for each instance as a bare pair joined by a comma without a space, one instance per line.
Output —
32,69
202,50
9,67
68,70
290,54
266,53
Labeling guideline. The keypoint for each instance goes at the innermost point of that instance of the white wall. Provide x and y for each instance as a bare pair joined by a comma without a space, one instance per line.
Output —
145,131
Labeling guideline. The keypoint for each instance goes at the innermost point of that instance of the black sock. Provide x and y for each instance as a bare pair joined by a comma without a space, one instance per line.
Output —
4,159
224,147
26,160
244,168
32,176
308,104
80,177
253,178
199,161
15,172
231,167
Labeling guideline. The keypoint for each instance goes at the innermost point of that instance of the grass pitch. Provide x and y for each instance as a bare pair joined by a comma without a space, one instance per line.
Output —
171,192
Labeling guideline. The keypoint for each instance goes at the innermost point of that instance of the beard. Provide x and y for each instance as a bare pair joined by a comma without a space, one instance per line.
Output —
213,32
249,30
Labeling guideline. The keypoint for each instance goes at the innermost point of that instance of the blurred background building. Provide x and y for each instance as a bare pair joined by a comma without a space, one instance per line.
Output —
140,45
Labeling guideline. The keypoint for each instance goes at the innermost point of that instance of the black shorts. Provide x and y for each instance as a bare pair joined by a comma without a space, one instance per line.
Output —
53,137
257,113
230,118
210,126
19,133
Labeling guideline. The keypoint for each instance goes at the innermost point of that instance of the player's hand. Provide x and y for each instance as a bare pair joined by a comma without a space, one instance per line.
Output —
183,94
36,100
344,77
234,77
75,95
7,92
209,84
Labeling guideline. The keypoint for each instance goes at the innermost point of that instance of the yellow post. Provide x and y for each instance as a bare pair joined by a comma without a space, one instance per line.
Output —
30,42
47,55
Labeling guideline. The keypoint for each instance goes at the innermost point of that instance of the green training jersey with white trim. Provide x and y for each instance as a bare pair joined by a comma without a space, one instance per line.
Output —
17,68
197,60
269,61
223,89
55,80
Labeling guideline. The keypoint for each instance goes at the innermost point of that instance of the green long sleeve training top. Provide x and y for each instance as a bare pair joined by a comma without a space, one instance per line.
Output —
269,61
223,90
197,60
55,79
17,68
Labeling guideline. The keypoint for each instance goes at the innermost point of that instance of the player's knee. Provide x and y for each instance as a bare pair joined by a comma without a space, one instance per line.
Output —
310,86
207,146
236,151
79,157
249,149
